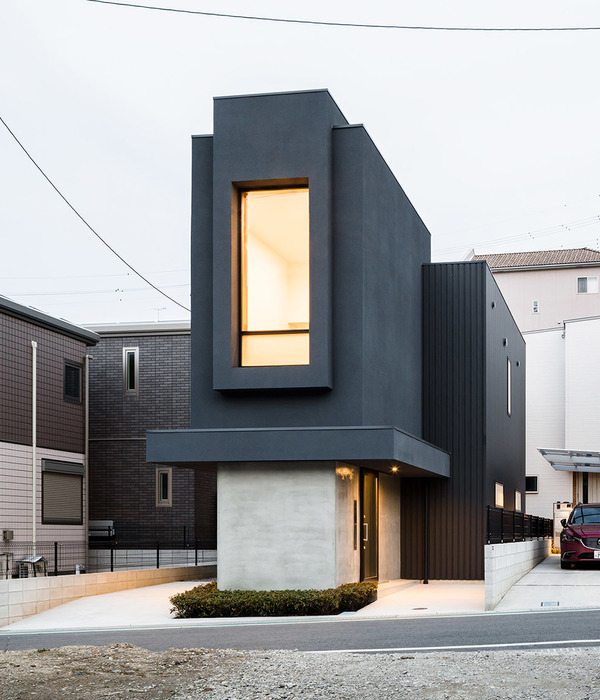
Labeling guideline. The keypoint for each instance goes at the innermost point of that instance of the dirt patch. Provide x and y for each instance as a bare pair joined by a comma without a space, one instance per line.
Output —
126,671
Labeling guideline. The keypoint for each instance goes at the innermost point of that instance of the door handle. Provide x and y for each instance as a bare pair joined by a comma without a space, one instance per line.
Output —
366,532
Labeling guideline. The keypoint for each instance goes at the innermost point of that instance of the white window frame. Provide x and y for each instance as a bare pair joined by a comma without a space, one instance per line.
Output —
589,282
127,389
537,484
162,502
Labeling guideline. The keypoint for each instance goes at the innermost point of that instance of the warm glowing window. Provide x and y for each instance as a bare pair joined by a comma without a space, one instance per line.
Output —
275,307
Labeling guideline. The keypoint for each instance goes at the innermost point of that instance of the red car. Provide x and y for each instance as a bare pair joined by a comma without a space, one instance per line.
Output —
580,538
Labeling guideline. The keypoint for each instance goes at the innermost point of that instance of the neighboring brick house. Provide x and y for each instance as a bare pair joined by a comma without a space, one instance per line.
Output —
43,432
140,379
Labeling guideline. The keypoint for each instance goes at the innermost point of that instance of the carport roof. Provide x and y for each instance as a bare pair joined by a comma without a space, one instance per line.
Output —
573,460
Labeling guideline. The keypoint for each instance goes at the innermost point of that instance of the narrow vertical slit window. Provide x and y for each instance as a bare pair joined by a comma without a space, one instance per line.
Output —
508,386
164,486
275,277
130,370
72,382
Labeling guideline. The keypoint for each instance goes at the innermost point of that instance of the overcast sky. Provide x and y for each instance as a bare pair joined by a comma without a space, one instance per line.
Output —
493,135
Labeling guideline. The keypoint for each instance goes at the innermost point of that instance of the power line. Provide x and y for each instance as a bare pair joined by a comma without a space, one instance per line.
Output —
353,25
66,201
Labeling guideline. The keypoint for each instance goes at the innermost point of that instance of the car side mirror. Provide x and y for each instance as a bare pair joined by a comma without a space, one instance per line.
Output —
563,522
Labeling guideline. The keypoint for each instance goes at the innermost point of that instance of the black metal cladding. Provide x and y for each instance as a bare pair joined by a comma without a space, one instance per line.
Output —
464,399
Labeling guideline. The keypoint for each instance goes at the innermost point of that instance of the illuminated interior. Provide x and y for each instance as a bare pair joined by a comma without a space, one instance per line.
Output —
275,300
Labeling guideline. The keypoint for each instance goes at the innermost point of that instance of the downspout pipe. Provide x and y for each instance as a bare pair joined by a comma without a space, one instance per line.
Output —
33,444
86,458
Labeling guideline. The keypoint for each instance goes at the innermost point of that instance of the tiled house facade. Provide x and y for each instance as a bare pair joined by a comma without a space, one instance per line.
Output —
140,379
42,441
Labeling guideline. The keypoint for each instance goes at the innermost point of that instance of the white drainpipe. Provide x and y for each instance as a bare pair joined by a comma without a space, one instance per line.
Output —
86,517
33,444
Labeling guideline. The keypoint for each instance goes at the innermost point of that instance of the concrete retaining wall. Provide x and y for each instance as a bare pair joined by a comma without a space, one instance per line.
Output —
506,563
23,597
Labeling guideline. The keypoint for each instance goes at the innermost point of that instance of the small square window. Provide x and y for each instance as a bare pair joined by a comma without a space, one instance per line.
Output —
164,496
499,495
587,285
72,382
535,307
518,501
531,484
131,371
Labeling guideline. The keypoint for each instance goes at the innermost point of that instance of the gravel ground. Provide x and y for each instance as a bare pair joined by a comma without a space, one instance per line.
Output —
126,671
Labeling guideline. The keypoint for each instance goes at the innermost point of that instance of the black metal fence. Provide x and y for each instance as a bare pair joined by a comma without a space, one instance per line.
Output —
512,526
123,535
60,558
109,555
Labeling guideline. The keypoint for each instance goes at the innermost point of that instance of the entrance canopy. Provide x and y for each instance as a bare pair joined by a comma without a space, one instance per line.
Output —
573,460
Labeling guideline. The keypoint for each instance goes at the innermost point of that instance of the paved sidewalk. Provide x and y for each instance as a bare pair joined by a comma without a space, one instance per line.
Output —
546,587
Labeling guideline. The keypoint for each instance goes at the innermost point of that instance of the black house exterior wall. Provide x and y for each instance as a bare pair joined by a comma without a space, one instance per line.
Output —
378,243
464,412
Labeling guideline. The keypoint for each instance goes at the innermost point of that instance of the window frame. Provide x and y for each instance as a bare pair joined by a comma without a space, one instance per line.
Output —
127,391
160,473
508,387
71,469
587,284
72,365
532,476
242,291
228,375
498,494
518,501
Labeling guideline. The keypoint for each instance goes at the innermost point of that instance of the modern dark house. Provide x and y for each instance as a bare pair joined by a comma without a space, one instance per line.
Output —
140,379
359,405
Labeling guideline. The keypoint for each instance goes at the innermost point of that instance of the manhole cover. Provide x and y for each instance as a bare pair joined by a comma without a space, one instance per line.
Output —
550,604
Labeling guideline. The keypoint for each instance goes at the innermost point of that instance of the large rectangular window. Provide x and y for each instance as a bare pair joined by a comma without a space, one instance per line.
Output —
275,277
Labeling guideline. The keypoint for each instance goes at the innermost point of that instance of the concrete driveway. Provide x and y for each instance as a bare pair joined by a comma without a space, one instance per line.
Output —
549,587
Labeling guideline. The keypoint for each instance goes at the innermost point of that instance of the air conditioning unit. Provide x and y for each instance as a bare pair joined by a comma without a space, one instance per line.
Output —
8,535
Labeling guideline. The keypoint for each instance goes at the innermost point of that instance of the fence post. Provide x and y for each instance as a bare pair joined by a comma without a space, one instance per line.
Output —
196,553
514,525
158,554
184,537
56,558
112,556
502,525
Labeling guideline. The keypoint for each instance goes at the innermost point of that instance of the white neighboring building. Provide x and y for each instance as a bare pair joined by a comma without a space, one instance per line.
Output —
554,298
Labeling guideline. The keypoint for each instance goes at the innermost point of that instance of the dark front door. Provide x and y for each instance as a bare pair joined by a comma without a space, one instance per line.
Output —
368,533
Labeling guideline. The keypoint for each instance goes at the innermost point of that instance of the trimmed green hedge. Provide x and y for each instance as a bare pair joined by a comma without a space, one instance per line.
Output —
208,601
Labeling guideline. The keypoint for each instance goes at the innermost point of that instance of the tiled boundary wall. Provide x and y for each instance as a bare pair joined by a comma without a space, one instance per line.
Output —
23,597
506,563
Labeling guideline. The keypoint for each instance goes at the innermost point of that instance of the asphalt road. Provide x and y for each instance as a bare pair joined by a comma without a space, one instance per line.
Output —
552,629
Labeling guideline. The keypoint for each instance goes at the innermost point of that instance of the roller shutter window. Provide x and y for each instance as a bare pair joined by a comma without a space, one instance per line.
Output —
62,498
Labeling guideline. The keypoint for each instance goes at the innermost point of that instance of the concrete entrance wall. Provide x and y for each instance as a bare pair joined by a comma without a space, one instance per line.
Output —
292,525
